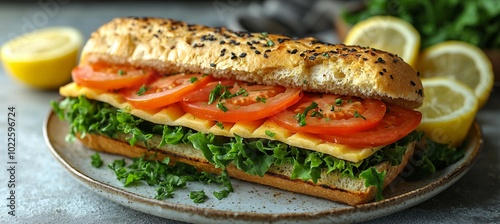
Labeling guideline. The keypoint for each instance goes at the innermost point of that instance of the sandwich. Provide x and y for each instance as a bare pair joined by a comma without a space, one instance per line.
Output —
326,120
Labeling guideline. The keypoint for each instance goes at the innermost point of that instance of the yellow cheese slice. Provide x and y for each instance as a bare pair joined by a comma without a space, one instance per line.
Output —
173,115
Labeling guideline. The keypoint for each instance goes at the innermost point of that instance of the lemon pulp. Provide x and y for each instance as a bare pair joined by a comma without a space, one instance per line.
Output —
448,110
44,58
387,33
460,61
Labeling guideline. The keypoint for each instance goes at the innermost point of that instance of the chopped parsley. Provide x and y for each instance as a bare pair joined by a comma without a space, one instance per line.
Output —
96,160
270,43
358,115
301,118
193,79
338,101
220,125
270,133
121,72
142,90
260,99
221,106
317,114
198,196
221,92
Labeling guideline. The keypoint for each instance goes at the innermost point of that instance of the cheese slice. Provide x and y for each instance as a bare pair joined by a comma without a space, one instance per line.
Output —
173,115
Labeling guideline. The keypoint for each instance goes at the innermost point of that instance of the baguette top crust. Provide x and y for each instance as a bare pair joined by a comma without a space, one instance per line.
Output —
170,47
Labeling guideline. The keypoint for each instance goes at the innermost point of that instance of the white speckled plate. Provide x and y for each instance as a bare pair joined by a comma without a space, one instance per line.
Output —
251,203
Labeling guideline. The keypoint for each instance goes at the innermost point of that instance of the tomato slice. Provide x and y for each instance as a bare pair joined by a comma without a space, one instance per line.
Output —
231,101
396,124
109,77
166,90
331,114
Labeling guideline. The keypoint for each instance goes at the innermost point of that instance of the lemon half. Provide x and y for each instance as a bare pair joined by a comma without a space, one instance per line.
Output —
389,34
448,110
461,61
43,59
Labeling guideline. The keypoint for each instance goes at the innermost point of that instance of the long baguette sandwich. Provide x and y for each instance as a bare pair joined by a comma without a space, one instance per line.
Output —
327,120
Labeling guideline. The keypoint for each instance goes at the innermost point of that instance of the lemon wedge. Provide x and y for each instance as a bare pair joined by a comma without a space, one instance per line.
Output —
389,34
462,61
448,110
43,59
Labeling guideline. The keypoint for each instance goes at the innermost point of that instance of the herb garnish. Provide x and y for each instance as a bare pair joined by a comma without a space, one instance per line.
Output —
221,106
96,160
219,124
338,101
121,72
270,133
193,79
198,196
358,115
260,99
142,90
301,117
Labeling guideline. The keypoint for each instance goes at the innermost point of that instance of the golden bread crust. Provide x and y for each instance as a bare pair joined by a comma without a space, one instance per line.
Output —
171,46
331,186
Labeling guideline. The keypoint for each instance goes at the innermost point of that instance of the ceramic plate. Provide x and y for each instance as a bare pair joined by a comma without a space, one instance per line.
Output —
250,202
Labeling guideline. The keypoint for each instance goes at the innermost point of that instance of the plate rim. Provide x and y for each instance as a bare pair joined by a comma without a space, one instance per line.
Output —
444,182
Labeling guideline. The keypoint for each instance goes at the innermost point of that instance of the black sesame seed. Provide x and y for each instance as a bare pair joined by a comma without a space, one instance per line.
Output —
249,43
293,51
280,40
373,53
395,60
381,73
312,57
253,48
233,57
222,42
391,77
412,83
302,54
418,74
223,50
257,52
212,65
242,55
265,55
384,70
365,59
380,60
268,50
345,48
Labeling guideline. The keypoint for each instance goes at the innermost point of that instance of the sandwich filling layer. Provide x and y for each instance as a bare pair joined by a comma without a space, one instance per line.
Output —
173,115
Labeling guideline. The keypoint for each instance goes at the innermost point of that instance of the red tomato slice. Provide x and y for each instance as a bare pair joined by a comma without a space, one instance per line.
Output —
106,76
166,90
396,124
230,101
331,114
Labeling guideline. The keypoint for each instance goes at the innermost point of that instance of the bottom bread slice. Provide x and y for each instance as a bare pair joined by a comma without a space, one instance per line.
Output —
332,186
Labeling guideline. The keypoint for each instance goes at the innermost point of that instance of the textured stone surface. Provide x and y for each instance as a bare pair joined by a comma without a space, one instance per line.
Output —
47,194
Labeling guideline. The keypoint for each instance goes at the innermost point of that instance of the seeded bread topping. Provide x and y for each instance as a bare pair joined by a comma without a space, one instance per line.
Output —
171,46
